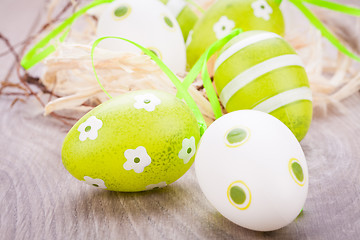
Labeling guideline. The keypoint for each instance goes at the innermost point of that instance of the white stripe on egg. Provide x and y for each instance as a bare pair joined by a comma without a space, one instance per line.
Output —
256,71
243,44
284,98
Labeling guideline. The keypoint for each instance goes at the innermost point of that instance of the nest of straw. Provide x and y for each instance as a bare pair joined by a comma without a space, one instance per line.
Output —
68,72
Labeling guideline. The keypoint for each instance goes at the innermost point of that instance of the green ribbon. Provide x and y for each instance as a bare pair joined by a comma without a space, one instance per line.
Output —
47,45
201,65
182,90
321,27
335,6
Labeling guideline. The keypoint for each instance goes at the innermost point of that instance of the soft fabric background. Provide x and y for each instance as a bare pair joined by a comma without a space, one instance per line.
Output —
40,200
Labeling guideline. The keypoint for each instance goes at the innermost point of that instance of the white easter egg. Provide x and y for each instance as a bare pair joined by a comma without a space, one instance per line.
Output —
252,169
148,23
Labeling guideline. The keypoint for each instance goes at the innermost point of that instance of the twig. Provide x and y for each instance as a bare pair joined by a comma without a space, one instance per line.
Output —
15,94
16,100
56,18
10,47
25,78
51,94
14,85
19,67
14,46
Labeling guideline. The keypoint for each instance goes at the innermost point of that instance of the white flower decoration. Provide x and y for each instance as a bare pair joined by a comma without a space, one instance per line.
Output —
137,159
223,27
189,38
95,182
153,186
262,9
147,101
188,149
89,128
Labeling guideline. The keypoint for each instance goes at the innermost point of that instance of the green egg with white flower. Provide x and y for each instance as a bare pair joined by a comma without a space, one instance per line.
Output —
259,70
225,15
183,13
134,142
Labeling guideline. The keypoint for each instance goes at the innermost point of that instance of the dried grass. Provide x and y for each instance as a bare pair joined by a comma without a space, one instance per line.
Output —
69,73
333,77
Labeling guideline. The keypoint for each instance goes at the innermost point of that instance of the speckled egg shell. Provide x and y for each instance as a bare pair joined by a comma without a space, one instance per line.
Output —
260,70
185,16
252,169
148,23
226,15
134,142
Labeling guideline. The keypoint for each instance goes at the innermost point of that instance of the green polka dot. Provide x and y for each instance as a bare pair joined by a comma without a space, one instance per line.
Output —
297,170
136,160
236,135
88,128
189,150
238,195
154,52
168,22
121,11
95,185
147,101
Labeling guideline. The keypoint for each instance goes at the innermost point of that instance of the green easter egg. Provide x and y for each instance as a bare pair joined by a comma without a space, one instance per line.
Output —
259,70
226,15
185,16
138,141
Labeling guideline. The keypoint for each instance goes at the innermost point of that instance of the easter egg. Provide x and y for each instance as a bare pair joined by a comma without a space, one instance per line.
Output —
225,15
260,70
252,170
148,23
184,15
134,142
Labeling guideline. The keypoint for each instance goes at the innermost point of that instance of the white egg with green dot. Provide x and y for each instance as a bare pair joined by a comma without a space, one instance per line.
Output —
148,23
185,16
252,169
134,142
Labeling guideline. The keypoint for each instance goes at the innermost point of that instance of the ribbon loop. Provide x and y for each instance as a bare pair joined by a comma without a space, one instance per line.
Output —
201,65
45,47
182,90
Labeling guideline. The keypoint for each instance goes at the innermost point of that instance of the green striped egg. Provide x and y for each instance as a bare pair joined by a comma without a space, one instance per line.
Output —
184,15
226,15
259,70
135,142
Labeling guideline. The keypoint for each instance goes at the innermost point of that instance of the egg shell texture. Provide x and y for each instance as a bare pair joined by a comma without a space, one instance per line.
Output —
148,23
161,132
184,15
225,15
260,165
187,20
296,115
